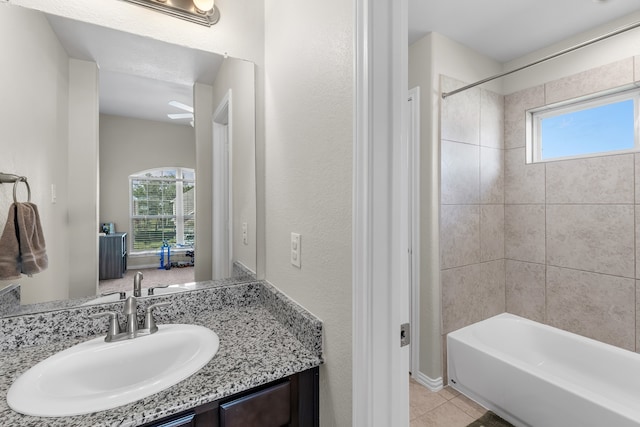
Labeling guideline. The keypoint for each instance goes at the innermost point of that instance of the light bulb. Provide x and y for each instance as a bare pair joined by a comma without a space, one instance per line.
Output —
203,6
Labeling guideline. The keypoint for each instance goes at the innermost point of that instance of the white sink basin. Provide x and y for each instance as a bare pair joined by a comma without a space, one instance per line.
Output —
95,375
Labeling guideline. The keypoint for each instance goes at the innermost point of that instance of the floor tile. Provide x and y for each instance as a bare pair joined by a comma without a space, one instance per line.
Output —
470,407
422,400
445,415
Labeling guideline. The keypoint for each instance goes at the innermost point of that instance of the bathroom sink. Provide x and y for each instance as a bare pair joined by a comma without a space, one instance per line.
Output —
95,375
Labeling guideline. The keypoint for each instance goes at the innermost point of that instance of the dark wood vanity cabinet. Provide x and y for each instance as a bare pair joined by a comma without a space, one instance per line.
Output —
113,256
292,401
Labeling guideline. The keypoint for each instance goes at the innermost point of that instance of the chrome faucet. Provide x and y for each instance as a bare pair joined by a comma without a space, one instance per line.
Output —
137,284
132,329
130,311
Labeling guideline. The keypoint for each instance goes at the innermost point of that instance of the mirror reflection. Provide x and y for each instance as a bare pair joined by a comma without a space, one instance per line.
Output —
140,156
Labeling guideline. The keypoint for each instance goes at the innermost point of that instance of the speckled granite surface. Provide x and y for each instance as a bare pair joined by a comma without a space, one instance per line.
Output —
10,300
256,347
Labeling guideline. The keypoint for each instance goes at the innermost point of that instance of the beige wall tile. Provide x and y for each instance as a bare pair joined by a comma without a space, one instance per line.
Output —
471,293
591,81
637,176
524,233
492,288
598,238
491,175
636,68
637,253
460,114
597,306
522,183
459,288
459,235
515,106
491,232
460,173
491,119
606,179
525,289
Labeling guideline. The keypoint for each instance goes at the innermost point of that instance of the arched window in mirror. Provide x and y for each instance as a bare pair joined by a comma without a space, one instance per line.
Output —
162,208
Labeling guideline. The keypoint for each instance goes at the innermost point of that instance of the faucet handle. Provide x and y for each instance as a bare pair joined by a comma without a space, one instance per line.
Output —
149,321
123,294
114,324
151,289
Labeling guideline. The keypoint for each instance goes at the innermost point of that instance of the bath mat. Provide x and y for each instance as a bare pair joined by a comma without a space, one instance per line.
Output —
489,419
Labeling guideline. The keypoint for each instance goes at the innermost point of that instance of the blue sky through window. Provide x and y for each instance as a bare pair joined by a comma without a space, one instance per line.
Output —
607,127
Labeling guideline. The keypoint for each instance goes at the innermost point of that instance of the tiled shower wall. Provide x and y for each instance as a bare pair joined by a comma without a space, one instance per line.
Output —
570,226
472,260
567,228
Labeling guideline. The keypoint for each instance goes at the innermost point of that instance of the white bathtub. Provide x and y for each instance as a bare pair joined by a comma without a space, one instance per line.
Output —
536,375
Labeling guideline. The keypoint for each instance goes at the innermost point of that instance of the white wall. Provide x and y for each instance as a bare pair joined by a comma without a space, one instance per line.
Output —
604,52
203,107
83,181
238,33
33,137
239,77
129,145
308,159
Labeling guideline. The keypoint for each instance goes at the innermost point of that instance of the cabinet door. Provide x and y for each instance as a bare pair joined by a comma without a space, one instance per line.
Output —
270,407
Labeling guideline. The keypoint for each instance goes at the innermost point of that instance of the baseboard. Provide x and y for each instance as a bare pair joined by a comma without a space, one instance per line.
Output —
430,383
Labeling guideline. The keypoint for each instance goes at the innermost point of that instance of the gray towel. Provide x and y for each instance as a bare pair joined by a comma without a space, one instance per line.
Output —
22,246
10,248
33,252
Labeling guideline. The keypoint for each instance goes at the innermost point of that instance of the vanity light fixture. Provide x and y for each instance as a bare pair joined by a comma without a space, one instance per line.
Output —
203,12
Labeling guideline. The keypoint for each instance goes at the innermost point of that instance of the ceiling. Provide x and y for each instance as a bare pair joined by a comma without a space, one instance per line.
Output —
508,29
138,75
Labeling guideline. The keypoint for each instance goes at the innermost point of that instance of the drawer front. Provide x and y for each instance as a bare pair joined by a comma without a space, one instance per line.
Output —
186,420
267,408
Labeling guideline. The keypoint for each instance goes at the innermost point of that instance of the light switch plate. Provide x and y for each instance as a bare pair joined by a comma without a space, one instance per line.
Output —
296,240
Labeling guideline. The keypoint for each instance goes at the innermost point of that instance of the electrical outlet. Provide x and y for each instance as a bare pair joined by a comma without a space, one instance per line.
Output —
244,233
296,240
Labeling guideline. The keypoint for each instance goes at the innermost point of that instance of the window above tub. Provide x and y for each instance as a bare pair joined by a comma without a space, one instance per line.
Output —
605,123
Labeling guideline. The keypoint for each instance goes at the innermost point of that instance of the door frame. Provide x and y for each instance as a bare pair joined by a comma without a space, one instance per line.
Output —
222,209
380,387
413,228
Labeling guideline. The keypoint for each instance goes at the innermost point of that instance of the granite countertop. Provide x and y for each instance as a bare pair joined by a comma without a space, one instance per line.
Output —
260,341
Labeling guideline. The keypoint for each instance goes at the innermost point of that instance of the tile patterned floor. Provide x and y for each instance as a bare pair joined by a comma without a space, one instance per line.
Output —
445,408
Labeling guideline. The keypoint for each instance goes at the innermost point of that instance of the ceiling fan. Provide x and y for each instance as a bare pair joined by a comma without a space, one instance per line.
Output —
185,107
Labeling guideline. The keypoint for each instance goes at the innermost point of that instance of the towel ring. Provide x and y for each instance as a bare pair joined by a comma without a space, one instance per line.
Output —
15,188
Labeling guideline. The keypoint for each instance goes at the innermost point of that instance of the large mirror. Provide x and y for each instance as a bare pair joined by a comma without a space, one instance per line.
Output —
158,177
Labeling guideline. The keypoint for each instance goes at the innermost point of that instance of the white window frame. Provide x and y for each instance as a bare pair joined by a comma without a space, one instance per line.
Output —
179,217
535,116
